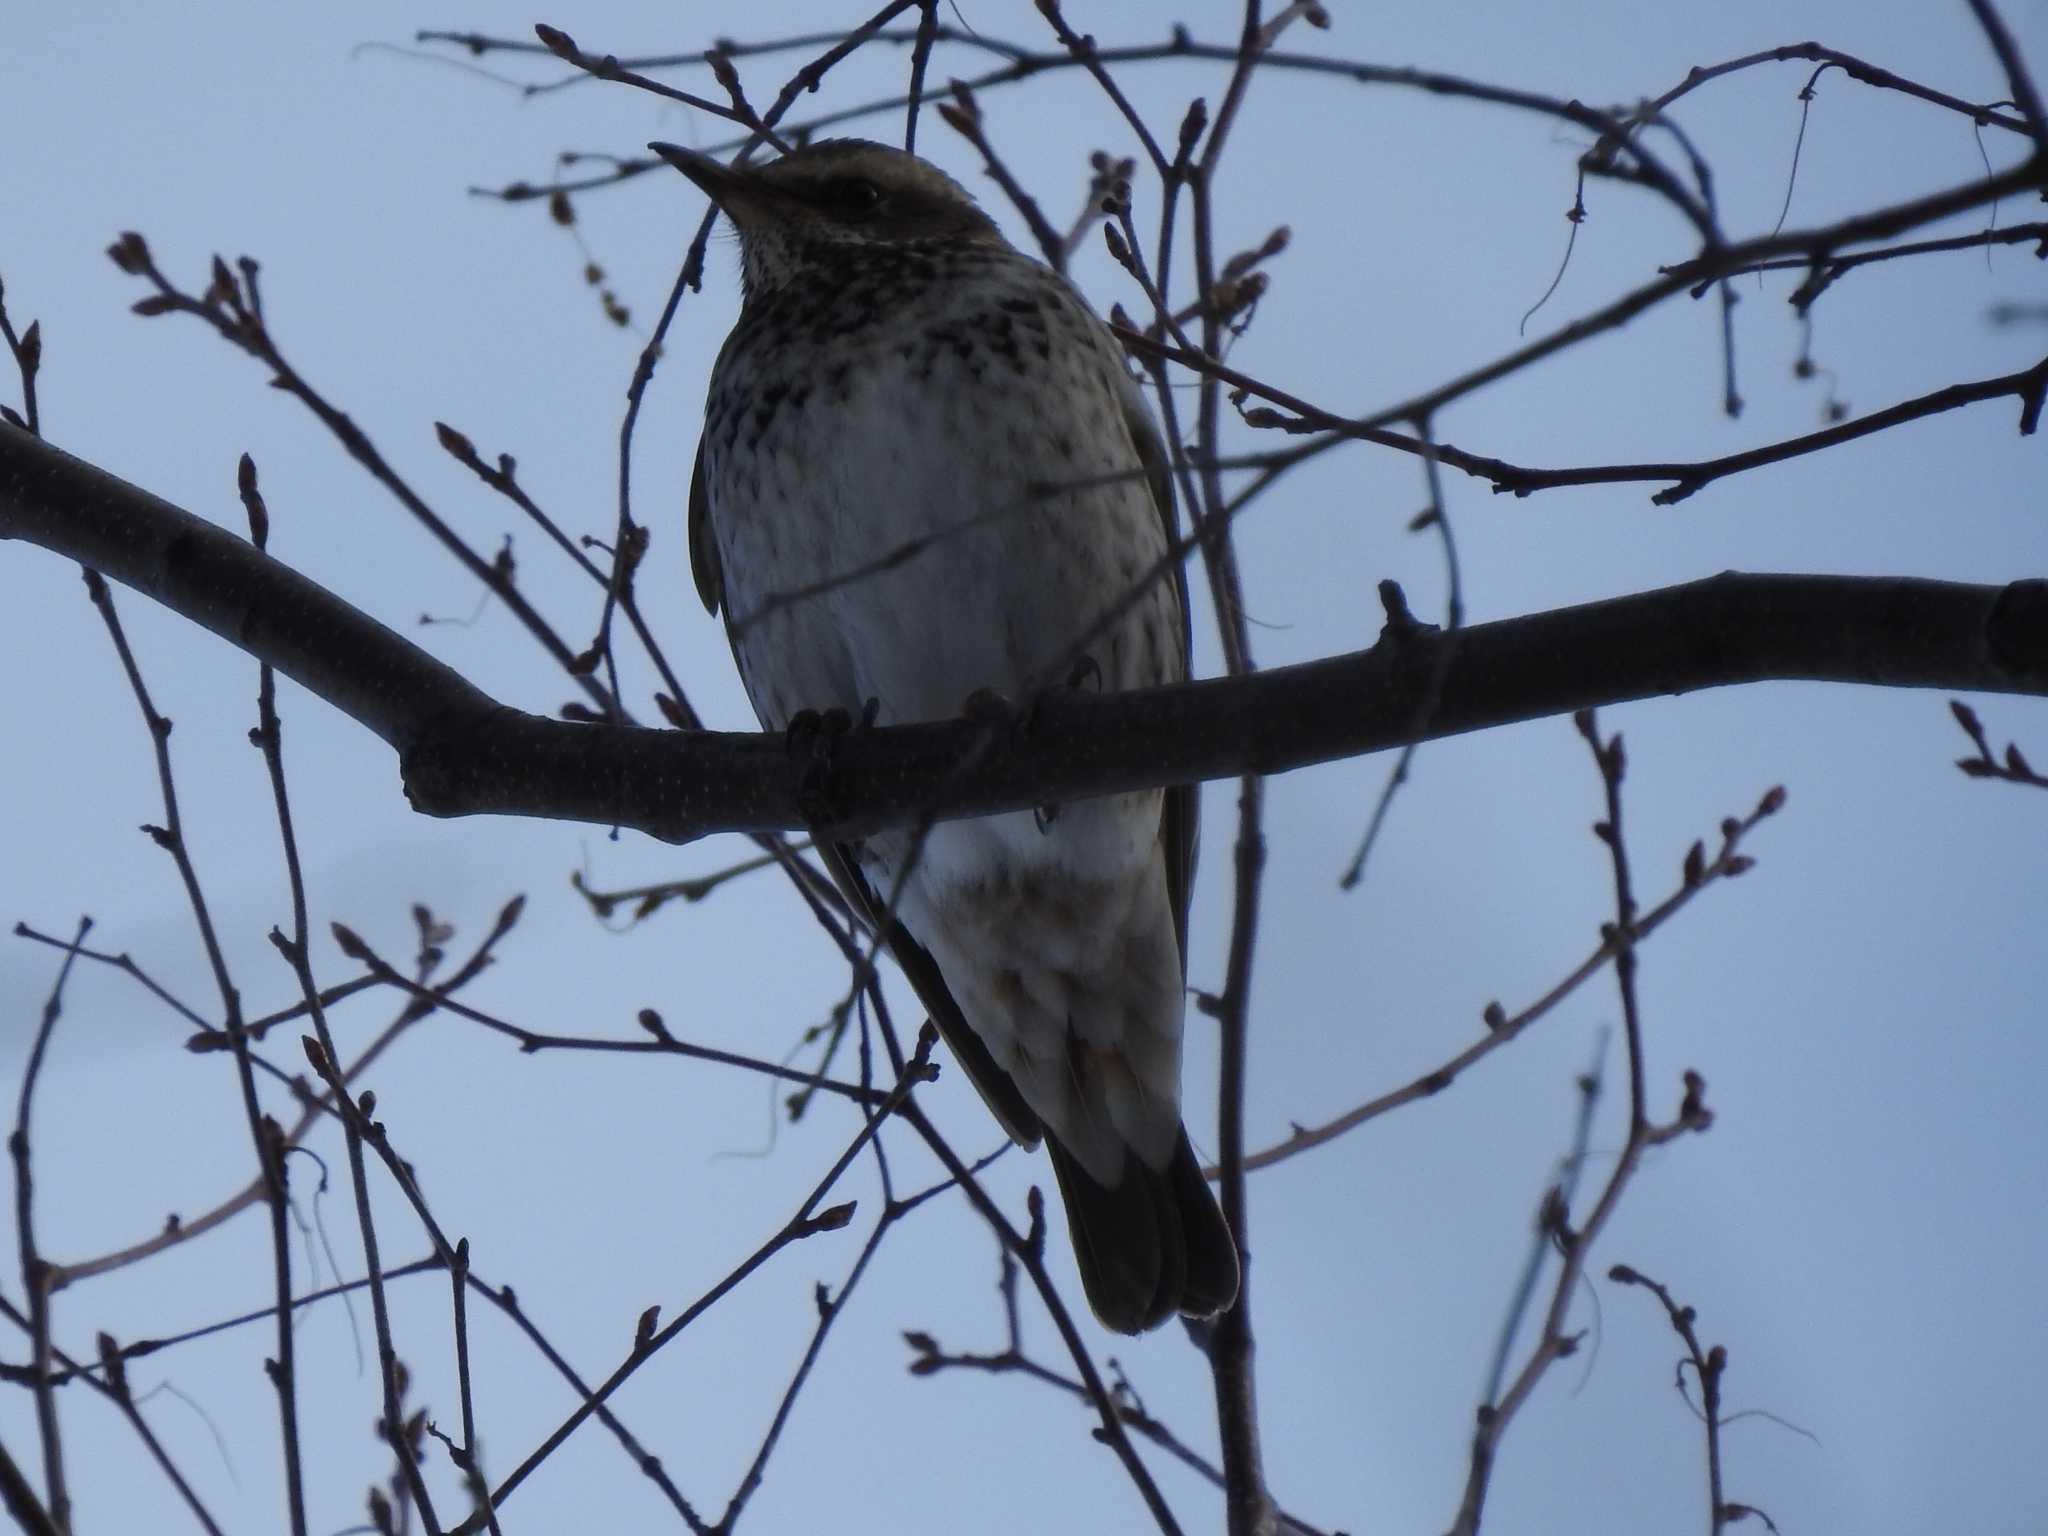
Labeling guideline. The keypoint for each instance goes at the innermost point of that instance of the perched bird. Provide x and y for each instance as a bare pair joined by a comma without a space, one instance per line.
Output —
926,473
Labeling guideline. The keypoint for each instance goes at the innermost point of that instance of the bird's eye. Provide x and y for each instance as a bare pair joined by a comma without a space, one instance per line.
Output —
854,196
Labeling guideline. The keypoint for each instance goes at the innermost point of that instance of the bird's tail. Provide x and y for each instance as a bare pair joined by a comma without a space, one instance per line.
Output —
1153,1244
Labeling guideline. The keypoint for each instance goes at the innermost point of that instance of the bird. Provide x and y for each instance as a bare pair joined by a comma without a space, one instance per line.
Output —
925,472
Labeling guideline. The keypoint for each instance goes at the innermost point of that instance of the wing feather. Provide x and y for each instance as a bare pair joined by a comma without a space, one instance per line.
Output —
704,566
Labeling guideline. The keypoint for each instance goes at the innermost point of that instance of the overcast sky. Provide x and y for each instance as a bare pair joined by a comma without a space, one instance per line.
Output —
1862,1228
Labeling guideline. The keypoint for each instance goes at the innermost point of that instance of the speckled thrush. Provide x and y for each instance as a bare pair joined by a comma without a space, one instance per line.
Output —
926,472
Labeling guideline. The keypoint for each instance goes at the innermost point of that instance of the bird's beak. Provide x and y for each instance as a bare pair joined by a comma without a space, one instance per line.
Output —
720,183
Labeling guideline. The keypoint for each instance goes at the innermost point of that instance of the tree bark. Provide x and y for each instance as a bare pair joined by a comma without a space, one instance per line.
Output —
462,753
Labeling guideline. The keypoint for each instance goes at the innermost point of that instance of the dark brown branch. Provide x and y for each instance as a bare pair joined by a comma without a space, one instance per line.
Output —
1304,417
964,118
1025,65
464,754
232,307
1815,246
2027,386
1727,629
2024,94
1857,69
1022,63
1083,51
1230,1344
1717,262
479,43
19,1495
608,67
1823,276
198,570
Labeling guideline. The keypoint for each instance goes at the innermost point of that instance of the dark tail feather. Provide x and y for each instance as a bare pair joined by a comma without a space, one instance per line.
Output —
1154,1245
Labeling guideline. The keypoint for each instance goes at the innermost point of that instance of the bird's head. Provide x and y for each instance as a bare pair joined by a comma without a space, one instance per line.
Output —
830,196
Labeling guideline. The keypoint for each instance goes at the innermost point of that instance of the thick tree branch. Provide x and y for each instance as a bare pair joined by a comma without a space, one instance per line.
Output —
462,753
222,583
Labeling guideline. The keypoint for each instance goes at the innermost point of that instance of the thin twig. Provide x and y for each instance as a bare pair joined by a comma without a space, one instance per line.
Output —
34,1272
296,950
807,1221
1698,873
660,1041
265,1135
27,350
920,57
271,1141
1030,1253
1563,1188
1822,275
1576,1244
607,67
929,1358
229,305
313,1106
2012,767
1230,1347
2024,93
1434,515
1024,63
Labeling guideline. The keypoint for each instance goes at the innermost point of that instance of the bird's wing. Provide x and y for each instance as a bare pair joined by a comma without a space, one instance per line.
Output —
704,565
1181,818
915,961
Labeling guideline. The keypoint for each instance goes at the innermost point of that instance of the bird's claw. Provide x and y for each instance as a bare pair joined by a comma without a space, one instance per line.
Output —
814,735
812,732
989,707
1085,670
997,710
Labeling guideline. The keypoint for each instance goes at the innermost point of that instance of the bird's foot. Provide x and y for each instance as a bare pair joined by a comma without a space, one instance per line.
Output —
998,712
811,732
1085,670
814,736
990,708
993,708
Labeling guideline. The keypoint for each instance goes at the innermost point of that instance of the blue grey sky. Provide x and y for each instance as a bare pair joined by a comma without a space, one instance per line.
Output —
1863,1226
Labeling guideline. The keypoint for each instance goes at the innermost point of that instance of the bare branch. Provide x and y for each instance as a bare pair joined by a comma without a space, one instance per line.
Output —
1575,1244
34,1271
464,754
2024,93
1697,874
1708,1367
2012,766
